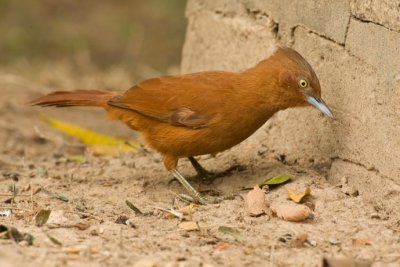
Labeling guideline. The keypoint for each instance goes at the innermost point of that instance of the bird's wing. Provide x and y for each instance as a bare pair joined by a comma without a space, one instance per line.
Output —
187,100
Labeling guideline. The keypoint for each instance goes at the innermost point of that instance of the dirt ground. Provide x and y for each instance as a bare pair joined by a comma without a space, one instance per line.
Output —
89,229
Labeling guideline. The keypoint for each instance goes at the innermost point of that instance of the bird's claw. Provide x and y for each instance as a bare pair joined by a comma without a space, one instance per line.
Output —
208,177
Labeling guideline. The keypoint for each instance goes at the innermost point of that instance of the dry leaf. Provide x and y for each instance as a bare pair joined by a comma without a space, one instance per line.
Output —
73,249
42,217
188,210
133,207
361,242
82,226
9,232
99,144
230,231
292,213
189,226
276,180
256,204
221,246
298,196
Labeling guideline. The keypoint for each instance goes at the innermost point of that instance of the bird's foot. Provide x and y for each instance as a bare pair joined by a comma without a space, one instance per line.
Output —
208,177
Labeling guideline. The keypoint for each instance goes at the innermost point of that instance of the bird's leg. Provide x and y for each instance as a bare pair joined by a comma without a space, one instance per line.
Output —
171,163
194,195
201,172
197,197
208,176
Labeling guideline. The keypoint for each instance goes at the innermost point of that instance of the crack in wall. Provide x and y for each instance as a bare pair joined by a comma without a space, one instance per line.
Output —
373,22
368,168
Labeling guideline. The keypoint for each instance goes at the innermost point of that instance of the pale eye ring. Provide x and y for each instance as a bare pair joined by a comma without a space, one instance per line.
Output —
303,83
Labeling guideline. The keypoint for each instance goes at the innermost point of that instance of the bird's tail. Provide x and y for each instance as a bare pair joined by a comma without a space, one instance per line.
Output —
94,98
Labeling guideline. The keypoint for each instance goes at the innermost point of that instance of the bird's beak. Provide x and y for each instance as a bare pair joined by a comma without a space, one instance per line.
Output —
320,104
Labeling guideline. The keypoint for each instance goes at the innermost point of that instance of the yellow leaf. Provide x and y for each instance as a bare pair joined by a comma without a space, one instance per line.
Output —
298,196
99,144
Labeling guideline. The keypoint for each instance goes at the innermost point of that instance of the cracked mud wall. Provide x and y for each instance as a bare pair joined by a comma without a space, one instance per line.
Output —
354,47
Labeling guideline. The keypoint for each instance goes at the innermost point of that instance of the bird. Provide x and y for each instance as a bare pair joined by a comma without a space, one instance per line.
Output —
188,115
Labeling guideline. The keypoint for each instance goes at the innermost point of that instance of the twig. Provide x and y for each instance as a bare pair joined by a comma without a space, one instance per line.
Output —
11,195
85,214
33,205
172,211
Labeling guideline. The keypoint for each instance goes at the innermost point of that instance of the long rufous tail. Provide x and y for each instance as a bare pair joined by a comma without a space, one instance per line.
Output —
94,98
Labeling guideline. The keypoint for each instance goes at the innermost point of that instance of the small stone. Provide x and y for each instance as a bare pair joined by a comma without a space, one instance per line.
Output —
334,241
375,216
350,191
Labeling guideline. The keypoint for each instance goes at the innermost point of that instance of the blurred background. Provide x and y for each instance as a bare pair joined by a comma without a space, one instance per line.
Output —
52,45
118,42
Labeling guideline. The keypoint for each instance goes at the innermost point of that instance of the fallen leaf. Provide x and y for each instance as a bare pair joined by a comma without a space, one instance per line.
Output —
171,213
82,226
121,219
133,207
9,232
54,195
298,196
76,158
230,231
73,249
292,213
99,144
221,246
188,210
256,204
276,180
189,226
361,242
54,240
299,240
42,217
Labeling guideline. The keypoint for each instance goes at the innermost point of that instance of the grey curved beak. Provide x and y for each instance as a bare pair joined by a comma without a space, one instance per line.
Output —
321,105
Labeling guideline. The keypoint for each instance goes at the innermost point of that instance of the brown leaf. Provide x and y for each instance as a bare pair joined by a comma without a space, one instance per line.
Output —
298,196
361,242
188,210
221,246
189,226
82,226
256,204
292,213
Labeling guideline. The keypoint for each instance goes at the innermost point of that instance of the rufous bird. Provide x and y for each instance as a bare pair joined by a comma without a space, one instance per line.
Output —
205,112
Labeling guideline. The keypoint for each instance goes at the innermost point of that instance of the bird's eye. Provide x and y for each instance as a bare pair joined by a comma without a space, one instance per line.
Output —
303,83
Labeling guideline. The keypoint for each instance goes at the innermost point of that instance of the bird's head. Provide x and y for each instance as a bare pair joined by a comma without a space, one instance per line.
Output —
298,80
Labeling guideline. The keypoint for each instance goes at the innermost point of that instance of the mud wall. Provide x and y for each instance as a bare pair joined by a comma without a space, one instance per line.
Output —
354,47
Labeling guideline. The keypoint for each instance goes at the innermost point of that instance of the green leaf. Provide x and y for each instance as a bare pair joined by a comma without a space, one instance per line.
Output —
276,180
230,231
54,240
54,195
42,217
9,232
133,207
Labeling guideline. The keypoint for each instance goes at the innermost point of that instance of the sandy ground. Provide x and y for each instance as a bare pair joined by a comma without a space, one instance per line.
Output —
88,227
